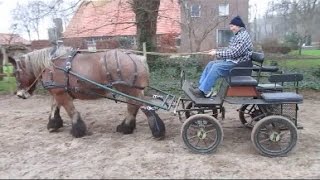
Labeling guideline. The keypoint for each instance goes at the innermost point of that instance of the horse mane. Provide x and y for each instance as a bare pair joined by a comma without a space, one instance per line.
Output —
40,59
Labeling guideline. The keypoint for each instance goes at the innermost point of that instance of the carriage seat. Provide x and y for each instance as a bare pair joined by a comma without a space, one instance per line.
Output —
282,97
240,75
242,81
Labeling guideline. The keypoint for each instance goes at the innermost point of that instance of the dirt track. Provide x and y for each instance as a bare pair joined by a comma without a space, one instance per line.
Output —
29,151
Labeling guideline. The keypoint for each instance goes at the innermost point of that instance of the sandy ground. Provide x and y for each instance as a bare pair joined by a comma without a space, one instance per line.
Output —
28,150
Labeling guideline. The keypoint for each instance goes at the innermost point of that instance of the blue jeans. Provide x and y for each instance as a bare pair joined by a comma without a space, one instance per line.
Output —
213,71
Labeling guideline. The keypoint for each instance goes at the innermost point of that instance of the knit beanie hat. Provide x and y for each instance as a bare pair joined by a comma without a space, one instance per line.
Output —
237,21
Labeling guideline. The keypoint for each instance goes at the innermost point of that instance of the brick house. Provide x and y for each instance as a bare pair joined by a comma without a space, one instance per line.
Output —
14,43
108,24
209,19
11,44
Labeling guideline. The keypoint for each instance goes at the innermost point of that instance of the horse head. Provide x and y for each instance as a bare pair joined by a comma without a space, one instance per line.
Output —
25,78
28,68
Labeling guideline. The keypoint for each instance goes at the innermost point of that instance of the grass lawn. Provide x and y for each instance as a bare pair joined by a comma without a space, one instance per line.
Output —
299,63
8,85
306,53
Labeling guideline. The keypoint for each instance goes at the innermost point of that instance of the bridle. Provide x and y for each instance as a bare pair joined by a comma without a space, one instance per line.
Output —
19,68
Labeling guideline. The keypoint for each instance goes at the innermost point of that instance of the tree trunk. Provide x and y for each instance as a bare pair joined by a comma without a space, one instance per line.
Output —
3,59
300,46
146,12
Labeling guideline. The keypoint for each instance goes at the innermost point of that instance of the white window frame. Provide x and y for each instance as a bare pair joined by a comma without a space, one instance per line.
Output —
217,37
224,9
91,44
192,13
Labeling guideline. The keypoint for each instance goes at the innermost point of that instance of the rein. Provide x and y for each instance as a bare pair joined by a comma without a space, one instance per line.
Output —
36,80
19,68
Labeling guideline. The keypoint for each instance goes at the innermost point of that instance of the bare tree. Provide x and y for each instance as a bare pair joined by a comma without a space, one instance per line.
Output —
297,16
21,19
303,13
28,16
36,9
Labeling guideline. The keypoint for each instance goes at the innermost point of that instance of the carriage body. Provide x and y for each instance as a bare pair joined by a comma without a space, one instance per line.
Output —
270,112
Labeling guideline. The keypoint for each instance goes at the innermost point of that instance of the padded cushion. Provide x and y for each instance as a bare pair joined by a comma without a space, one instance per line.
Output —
269,86
266,68
242,81
282,97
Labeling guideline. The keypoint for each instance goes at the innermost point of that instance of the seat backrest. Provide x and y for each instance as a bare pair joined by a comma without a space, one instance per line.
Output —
285,78
294,78
257,57
242,72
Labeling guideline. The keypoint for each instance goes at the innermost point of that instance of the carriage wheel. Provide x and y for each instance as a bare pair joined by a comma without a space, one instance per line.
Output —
249,115
190,105
202,133
274,136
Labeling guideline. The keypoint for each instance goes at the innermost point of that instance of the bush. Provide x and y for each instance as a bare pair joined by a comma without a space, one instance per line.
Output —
273,46
316,72
292,40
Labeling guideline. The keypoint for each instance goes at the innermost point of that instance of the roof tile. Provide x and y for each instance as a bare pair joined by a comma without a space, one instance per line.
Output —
115,18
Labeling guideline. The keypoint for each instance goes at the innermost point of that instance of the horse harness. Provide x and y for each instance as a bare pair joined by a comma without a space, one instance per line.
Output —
111,80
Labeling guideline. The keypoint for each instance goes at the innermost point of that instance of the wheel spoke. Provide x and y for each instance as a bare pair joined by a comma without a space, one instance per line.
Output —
284,132
192,137
212,130
205,143
264,133
192,130
264,140
198,142
267,127
252,107
247,116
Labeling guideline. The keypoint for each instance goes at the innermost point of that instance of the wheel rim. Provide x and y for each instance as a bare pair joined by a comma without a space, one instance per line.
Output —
275,136
202,133
249,114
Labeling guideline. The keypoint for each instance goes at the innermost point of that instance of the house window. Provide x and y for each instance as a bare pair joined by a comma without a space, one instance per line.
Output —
91,44
195,10
224,36
224,10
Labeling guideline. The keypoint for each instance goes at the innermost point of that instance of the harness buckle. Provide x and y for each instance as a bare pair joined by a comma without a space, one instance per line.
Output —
68,65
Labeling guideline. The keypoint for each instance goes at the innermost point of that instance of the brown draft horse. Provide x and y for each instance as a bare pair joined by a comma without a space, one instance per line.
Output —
127,73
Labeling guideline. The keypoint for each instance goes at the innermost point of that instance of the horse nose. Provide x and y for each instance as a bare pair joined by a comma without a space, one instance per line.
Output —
23,94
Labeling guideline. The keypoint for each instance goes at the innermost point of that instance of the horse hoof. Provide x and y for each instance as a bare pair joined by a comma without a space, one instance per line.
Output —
78,129
125,129
54,124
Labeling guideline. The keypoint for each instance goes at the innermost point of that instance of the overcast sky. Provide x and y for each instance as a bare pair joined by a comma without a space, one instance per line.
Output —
7,5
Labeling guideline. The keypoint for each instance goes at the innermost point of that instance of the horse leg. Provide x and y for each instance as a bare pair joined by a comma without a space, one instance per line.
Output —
55,121
129,123
78,126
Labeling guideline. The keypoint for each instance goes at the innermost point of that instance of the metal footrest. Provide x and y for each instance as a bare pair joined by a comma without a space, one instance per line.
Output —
197,100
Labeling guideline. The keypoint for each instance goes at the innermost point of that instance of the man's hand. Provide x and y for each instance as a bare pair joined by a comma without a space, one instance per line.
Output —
213,52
